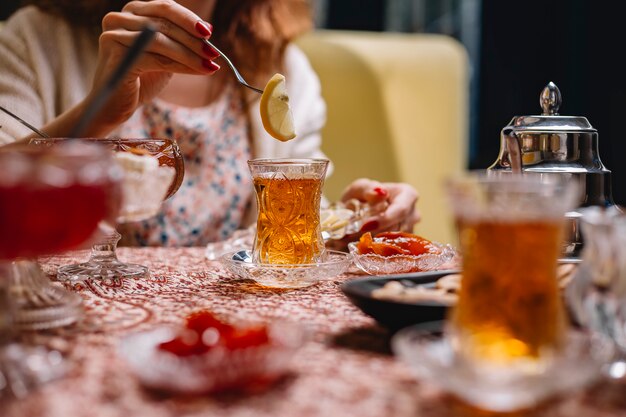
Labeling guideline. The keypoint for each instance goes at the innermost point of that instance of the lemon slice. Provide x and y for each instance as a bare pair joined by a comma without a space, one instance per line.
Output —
275,112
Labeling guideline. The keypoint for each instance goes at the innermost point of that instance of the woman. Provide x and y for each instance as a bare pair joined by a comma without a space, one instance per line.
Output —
56,57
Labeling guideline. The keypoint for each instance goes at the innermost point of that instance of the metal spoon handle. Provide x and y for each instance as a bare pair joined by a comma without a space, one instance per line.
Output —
232,67
25,123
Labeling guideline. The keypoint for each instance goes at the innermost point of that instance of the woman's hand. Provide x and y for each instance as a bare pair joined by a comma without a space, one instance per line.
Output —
176,48
393,205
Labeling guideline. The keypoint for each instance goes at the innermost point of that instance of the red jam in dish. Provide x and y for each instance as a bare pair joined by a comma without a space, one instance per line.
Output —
395,243
203,332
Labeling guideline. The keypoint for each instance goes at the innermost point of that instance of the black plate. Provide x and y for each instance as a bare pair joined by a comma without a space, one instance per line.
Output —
396,314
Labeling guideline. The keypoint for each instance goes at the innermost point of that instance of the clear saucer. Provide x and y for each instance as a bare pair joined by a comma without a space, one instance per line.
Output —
374,264
287,276
497,387
217,370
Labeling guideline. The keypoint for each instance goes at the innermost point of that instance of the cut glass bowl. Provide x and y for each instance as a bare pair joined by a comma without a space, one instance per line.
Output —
374,264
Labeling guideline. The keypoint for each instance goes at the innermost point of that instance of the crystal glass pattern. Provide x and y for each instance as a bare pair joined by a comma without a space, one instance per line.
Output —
332,264
288,195
374,264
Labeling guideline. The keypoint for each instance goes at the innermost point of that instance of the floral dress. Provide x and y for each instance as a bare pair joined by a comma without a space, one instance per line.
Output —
217,188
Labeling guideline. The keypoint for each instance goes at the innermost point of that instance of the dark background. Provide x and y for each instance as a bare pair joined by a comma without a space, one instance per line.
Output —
578,44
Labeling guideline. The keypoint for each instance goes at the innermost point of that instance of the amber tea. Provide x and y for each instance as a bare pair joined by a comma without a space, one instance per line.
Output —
509,303
510,233
288,196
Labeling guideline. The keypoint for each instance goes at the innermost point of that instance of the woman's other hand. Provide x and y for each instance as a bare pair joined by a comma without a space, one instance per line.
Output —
393,207
176,48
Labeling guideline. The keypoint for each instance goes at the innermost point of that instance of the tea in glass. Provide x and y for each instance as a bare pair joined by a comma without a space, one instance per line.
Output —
510,232
288,195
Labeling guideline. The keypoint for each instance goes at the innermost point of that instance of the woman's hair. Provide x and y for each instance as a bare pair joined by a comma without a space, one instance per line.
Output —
253,33
84,13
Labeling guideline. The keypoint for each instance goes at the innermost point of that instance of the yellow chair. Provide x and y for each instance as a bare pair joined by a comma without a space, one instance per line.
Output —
397,111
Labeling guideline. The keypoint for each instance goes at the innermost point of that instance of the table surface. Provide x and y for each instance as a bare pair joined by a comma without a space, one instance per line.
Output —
346,369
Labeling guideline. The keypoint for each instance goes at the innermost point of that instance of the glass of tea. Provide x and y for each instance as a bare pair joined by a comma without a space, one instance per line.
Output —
510,230
288,196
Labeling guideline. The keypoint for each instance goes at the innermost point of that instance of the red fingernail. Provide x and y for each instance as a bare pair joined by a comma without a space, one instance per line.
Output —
210,52
210,65
369,226
205,29
381,192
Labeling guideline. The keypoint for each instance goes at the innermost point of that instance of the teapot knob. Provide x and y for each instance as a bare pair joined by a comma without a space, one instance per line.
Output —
550,100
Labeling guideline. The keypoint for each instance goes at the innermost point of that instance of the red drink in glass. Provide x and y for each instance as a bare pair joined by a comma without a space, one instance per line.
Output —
51,200
43,220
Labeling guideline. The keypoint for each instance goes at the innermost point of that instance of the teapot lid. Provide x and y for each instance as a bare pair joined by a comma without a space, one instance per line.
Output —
550,120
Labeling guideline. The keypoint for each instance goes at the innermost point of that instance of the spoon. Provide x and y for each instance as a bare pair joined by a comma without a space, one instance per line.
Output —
232,67
25,123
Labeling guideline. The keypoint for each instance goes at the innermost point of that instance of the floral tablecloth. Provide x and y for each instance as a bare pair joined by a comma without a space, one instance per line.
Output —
346,369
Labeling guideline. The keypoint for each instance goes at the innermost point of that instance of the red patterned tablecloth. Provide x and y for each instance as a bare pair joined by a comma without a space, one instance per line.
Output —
345,370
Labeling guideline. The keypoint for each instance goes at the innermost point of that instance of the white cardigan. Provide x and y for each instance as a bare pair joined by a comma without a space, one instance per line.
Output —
47,67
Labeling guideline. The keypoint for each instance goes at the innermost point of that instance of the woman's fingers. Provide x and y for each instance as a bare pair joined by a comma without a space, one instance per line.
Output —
165,29
402,201
162,54
176,46
171,11
393,203
152,62
366,190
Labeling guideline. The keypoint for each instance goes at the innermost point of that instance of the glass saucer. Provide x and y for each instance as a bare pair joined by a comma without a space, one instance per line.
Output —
216,370
497,387
374,264
287,276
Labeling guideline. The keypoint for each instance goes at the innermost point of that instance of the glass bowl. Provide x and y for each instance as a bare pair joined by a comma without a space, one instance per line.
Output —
502,387
287,276
374,264
152,171
215,371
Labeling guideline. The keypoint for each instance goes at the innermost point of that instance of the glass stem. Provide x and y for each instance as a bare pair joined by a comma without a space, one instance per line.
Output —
104,251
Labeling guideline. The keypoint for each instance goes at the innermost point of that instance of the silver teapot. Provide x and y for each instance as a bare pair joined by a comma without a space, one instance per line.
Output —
551,144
